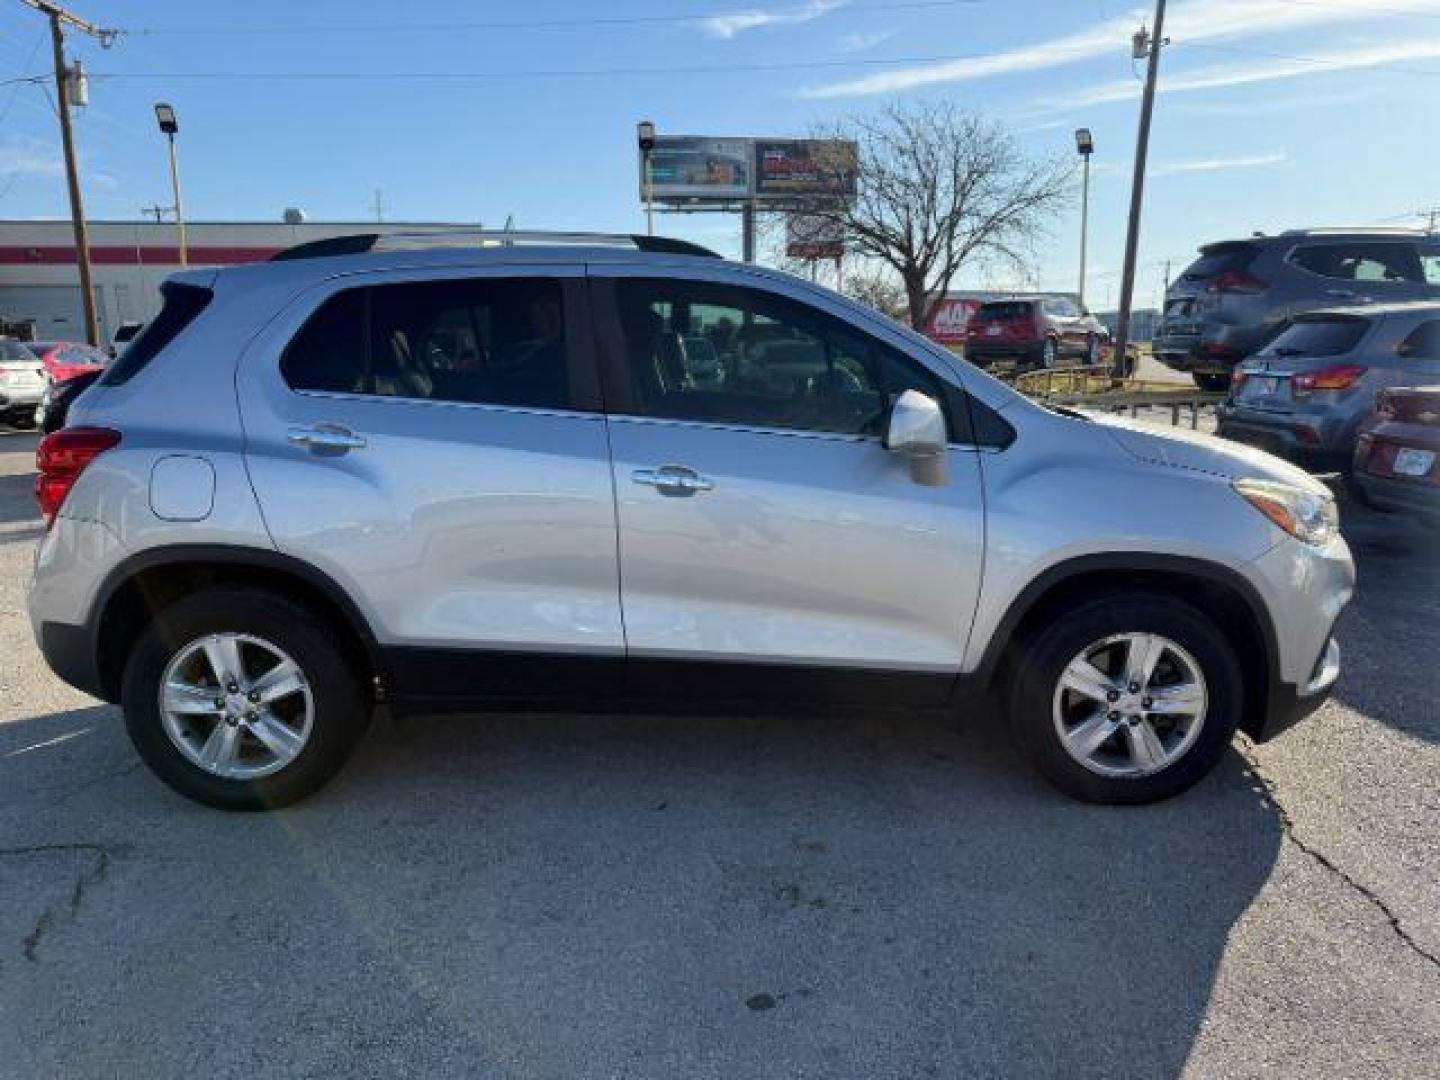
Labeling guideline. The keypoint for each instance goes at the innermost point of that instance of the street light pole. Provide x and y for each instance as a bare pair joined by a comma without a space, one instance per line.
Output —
645,131
1151,48
1085,143
170,126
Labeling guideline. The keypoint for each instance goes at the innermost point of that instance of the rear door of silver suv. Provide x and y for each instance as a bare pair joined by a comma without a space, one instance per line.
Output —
432,442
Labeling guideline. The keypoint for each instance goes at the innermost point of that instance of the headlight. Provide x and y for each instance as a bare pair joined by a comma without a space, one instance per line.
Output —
1303,514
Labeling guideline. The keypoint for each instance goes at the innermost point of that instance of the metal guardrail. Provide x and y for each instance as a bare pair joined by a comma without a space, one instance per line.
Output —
1094,387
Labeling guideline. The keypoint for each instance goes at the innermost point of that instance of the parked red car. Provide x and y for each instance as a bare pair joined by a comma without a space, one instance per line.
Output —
66,359
1397,457
1035,332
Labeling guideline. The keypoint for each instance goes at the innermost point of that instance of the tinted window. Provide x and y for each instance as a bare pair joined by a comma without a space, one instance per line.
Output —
738,356
1219,258
499,342
1318,337
1005,309
13,351
1422,343
1361,262
1430,262
182,304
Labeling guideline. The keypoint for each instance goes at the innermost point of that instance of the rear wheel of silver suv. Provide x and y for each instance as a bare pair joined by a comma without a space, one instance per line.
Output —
1126,699
241,699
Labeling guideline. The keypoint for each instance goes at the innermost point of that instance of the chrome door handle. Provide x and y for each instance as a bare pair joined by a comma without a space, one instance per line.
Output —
331,437
673,480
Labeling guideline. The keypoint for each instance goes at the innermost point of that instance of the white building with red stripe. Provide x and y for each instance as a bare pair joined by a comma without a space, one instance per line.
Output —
40,282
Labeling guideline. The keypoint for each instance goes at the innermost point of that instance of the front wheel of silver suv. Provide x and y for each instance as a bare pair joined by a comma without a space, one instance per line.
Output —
1126,699
242,699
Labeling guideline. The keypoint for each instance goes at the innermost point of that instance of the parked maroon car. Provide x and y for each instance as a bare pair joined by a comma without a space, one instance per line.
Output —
1035,332
1397,456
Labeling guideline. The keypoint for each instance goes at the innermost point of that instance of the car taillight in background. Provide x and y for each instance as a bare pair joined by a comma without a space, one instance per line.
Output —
1238,375
1236,281
1339,377
60,459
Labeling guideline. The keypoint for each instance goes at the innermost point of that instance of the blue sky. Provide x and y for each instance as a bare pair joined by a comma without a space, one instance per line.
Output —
1274,113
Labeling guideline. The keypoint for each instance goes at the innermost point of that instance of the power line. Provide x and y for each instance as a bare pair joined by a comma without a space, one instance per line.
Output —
1331,61
527,24
1410,13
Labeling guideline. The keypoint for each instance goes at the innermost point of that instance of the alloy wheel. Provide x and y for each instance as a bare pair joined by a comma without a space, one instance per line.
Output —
236,705
1130,705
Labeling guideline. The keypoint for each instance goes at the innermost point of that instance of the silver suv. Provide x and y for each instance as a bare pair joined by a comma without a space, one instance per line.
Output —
626,472
1240,293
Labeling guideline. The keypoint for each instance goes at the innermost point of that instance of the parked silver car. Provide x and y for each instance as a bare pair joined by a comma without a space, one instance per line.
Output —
626,472
1240,293
1305,394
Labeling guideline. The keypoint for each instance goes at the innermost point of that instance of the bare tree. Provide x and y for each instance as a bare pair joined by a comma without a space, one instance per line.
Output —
940,188
879,290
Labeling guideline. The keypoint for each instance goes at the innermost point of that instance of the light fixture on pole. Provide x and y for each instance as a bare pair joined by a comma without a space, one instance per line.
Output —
1085,144
645,131
169,126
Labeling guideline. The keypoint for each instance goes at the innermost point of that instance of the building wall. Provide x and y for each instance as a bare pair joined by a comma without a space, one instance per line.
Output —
39,278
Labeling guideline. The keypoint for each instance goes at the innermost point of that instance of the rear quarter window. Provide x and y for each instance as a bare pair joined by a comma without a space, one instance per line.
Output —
1219,258
182,304
1422,343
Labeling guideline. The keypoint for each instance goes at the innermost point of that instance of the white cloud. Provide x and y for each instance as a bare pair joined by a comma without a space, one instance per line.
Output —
1192,21
1224,75
734,23
1207,165
860,42
30,157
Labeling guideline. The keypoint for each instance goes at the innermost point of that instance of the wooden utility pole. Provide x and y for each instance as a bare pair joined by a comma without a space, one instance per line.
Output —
1137,189
60,18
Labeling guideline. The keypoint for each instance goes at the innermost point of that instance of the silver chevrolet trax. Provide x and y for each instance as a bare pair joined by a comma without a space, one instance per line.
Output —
476,472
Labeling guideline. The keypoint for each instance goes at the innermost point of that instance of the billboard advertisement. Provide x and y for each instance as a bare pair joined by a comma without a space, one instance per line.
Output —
811,236
805,168
687,167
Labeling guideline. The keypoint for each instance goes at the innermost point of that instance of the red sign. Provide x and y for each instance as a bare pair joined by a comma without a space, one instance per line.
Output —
947,324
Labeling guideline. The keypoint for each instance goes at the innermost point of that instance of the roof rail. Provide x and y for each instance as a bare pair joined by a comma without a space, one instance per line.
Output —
1383,230
480,238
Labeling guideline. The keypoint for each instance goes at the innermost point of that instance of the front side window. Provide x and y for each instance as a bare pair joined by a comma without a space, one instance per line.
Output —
730,355
1375,262
492,342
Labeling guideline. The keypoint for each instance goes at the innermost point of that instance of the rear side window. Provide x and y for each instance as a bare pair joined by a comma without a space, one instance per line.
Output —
1005,309
1217,259
1422,343
1393,262
1318,337
492,342
182,304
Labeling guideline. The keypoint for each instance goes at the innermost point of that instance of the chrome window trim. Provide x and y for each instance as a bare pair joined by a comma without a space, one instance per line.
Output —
758,429
482,406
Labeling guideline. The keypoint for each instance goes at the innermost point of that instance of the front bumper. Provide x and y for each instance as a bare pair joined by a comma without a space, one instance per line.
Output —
1289,704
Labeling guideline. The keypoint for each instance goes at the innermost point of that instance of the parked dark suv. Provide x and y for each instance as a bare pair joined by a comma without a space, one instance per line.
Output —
1234,298
1041,331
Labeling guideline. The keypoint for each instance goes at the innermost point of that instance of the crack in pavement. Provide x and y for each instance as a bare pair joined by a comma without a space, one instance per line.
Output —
1287,826
93,875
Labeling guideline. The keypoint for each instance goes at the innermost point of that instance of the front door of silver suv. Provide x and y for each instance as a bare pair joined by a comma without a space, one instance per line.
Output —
770,545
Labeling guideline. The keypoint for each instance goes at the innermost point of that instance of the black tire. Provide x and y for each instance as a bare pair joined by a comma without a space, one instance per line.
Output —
341,710
1042,658
1211,382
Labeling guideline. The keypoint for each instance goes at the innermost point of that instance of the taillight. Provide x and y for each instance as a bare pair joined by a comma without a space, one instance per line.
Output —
1340,377
60,459
1236,281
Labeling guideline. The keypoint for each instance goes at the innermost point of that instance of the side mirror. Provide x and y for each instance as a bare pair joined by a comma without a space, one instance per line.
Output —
916,430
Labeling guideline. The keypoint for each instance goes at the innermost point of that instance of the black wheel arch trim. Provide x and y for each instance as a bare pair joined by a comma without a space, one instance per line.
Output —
1145,562
232,555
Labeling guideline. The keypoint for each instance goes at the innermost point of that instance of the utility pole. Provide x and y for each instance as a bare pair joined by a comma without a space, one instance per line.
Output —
747,230
1431,216
379,206
59,18
1148,46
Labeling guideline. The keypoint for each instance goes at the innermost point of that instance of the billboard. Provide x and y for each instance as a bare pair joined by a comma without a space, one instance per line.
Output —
805,168
688,168
812,236
685,167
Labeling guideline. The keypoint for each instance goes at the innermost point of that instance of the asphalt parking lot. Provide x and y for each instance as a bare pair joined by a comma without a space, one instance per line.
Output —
879,896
